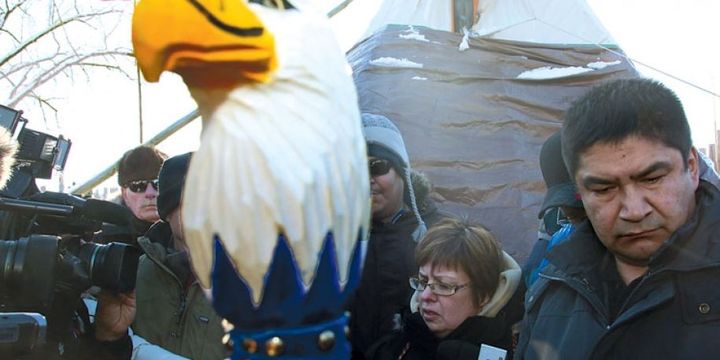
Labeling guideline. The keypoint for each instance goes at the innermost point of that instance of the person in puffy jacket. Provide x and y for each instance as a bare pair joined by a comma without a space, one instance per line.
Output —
641,278
400,209
172,310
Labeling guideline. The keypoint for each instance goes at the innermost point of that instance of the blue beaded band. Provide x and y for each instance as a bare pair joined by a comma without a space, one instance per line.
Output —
297,343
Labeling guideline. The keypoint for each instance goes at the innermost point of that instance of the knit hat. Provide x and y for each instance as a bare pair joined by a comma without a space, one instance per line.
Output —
561,190
171,182
140,163
384,141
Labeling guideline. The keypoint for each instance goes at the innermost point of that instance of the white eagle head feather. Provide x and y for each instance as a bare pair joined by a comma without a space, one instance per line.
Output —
286,156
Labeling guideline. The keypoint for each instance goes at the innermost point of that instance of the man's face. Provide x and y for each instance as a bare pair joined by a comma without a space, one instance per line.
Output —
387,189
636,194
142,202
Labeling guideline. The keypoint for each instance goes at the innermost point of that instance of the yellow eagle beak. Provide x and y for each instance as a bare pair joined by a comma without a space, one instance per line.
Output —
210,43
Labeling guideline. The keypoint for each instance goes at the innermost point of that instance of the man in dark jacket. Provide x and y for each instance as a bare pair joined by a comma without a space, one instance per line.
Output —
641,278
172,310
400,210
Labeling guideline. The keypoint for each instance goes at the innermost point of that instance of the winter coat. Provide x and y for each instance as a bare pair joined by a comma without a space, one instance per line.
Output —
171,314
492,326
384,291
671,312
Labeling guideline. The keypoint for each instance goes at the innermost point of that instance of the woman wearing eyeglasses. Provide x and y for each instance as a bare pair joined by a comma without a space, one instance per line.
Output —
400,210
466,296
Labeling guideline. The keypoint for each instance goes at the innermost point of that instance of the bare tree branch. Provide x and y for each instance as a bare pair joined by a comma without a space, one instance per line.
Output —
116,68
72,41
6,14
51,29
51,73
15,68
44,101
10,34
29,68
58,67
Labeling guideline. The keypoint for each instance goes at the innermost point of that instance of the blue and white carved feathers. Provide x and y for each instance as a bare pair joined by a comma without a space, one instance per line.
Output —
280,154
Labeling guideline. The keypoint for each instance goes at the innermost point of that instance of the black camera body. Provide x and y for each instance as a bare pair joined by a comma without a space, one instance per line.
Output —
41,153
33,268
47,274
52,250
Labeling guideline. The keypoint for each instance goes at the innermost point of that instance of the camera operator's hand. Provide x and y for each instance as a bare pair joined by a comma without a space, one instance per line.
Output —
114,315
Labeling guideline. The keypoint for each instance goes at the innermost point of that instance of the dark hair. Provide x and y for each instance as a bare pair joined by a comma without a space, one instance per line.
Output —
611,112
459,244
140,163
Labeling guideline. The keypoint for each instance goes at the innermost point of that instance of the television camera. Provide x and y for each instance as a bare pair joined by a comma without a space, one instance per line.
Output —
53,250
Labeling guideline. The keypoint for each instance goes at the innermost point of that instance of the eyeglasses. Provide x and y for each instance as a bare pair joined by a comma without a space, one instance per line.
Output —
436,288
379,167
139,186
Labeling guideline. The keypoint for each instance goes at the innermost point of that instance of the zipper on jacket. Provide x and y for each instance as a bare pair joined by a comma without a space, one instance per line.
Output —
630,296
614,325
177,332
180,312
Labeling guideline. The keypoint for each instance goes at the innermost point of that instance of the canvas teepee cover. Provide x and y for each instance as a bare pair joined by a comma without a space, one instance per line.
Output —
474,120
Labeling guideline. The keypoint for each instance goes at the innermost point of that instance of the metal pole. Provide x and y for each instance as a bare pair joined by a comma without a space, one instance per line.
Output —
140,103
338,8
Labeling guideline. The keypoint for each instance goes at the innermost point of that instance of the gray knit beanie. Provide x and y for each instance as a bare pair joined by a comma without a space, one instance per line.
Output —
384,141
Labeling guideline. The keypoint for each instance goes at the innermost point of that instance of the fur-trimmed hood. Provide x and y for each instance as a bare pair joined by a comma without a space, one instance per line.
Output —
422,187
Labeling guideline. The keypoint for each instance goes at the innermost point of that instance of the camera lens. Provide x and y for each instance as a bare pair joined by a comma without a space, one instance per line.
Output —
28,285
112,266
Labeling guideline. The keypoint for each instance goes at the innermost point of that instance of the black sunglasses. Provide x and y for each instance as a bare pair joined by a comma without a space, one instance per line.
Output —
139,186
379,167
